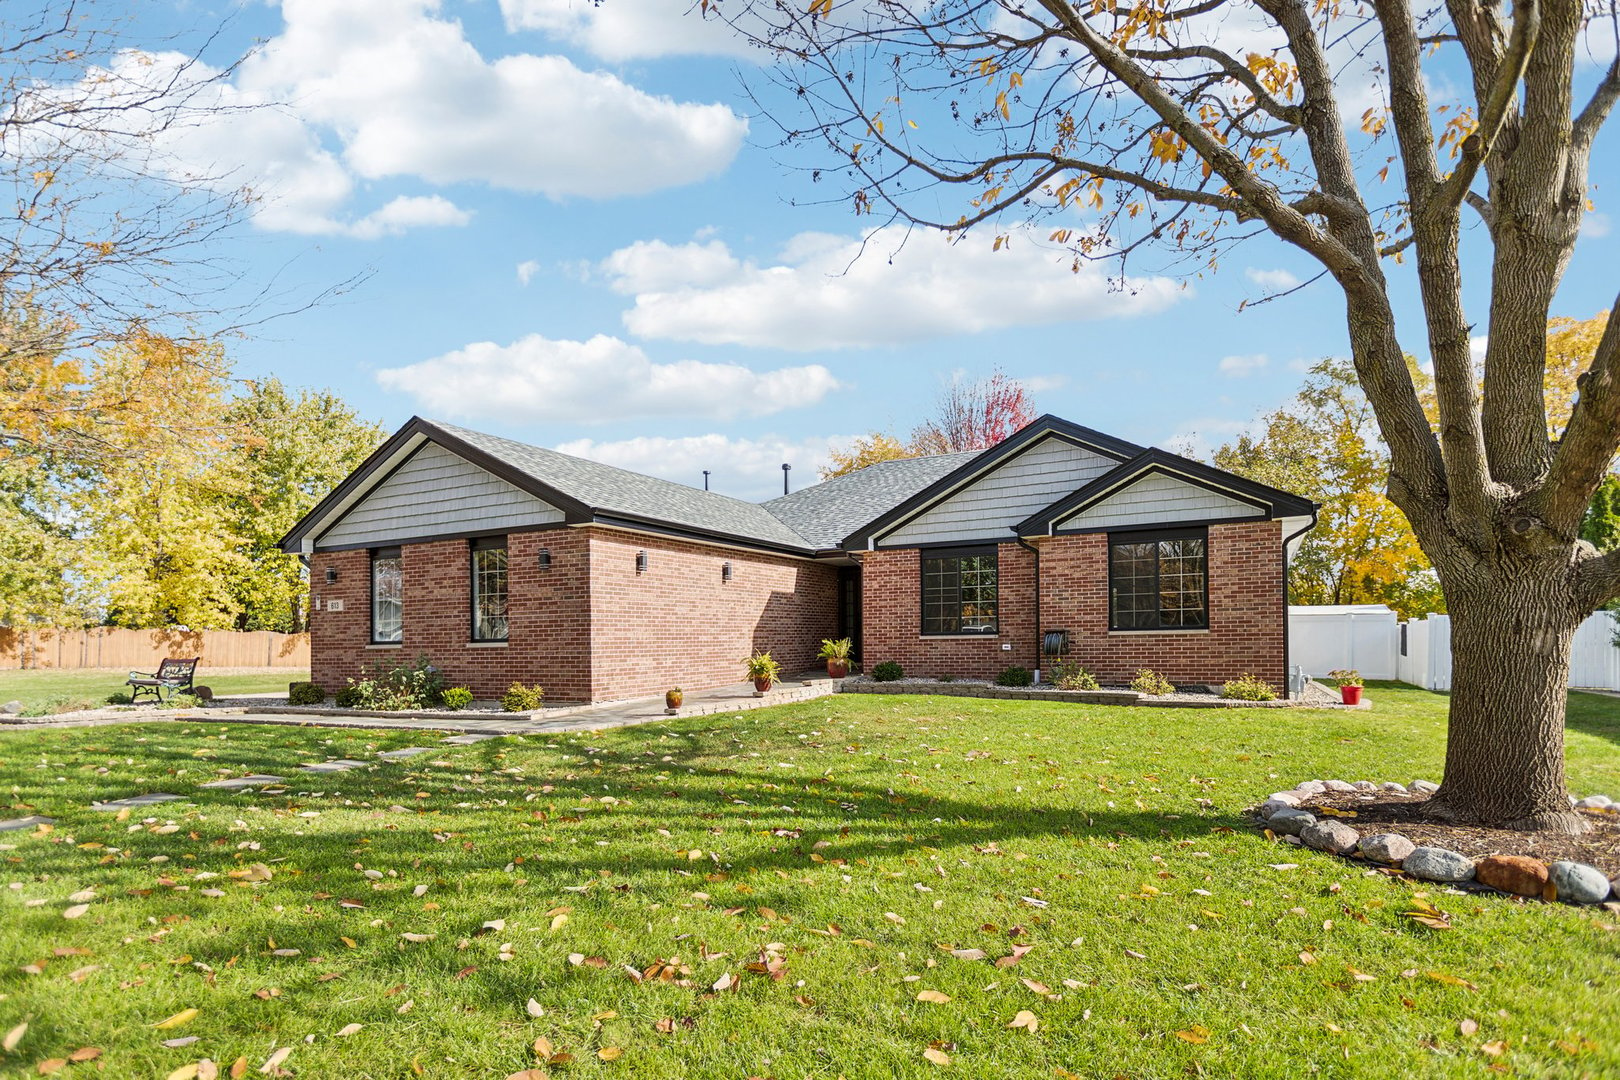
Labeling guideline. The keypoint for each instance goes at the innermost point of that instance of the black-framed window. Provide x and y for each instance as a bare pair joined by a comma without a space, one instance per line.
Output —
959,591
489,588
1158,581
387,596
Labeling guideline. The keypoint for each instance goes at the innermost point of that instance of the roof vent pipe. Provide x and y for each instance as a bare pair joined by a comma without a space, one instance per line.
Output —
785,468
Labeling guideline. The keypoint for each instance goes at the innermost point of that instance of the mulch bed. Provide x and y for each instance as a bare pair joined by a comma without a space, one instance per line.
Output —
1600,846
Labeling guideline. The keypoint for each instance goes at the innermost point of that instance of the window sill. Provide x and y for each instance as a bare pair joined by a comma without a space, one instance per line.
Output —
486,644
958,637
1164,632
386,645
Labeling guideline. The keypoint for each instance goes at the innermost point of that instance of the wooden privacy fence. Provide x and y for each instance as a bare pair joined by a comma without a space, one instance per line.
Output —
107,647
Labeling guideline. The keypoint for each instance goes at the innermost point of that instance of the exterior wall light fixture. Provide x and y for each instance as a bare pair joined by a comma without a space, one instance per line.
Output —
725,571
545,558
641,562
331,575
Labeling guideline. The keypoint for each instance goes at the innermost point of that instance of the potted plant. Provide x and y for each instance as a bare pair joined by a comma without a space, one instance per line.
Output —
673,698
1350,684
763,670
836,653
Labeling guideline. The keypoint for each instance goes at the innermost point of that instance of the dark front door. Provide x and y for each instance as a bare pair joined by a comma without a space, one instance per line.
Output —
849,607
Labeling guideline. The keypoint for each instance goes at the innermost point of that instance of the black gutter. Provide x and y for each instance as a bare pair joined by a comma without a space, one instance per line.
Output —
1315,509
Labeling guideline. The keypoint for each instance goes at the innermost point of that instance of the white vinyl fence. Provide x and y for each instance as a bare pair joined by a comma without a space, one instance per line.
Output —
1369,638
1362,637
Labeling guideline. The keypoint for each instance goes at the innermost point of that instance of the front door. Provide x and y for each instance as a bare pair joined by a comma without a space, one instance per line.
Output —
849,607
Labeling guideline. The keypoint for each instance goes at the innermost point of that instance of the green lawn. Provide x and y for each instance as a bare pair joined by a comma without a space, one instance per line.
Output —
53,690
824,858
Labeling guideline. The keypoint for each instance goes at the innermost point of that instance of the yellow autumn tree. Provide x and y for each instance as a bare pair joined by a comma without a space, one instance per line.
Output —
1571,344
865,450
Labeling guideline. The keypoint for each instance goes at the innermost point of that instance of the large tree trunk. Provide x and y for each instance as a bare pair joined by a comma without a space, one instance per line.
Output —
1510,639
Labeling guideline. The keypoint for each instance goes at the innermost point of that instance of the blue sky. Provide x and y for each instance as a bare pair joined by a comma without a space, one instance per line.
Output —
575,234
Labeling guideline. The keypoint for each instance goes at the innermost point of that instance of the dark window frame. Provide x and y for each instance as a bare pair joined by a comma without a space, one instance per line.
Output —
474,546
1156,537
377,555
993,552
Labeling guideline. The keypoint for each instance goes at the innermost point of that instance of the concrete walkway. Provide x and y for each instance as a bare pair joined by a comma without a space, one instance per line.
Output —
735,698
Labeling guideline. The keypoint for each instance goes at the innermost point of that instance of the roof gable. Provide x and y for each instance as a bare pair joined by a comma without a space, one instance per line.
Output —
973,469
1156,483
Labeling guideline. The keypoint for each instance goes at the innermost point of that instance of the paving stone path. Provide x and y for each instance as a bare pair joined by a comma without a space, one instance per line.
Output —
135,802
404,752
340,765
26,822
468,739
238,782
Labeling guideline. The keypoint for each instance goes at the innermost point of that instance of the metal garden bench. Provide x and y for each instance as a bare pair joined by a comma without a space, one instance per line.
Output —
172,677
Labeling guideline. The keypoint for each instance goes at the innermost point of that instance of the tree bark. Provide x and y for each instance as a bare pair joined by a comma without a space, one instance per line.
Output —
1510,640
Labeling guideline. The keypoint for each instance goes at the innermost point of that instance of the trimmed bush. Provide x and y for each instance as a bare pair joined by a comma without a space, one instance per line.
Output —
307,693
1150,682
349,697
1068,675
184,701
1014,676
888,671
1247,687
118,698
520,698
458,697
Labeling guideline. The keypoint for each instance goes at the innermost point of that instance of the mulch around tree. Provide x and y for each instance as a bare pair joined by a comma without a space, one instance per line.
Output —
1599,846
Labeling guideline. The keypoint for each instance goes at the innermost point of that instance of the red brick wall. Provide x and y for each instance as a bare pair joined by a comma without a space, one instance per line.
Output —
679,624
891,617
1247,615
549,622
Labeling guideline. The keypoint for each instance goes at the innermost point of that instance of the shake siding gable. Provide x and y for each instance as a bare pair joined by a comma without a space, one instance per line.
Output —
1159,499
1030,481
437,493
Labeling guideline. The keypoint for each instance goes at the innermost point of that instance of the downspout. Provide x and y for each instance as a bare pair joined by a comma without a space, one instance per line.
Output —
1287,671
1035,551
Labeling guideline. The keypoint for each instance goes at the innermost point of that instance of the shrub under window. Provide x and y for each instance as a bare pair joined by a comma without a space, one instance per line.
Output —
959,591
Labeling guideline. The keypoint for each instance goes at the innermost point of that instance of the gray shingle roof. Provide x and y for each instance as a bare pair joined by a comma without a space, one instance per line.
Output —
831,510
614,491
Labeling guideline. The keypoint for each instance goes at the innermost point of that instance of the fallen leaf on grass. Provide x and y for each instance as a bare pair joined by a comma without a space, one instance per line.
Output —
1495,1048
75,911
938,1057
184,1040
85,1053
50,1065
933,997
273,1062
13,1037
1026,1020
184,1016
534,1009
184,1072
1450,980
350,1029
610,1053
969,954
528,1074
1468,1026
1198,1035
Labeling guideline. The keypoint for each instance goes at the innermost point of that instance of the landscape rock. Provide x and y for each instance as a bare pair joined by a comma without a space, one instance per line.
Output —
1438,864
1427,787
1595,802
1312,787
1338,785
1387,847
1577,883
1292,798
12,708
1365,785
1272,805
1390,785
1334,836
1518,874
1290,821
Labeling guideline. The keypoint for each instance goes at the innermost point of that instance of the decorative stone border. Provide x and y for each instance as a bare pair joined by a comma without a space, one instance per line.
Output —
865,684
1519,875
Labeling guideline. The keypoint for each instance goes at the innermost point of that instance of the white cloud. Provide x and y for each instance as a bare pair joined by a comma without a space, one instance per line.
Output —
742,468
829,292
1271,280
389,89
408,212
1238,367
618,30
1594,225
537,378
526,271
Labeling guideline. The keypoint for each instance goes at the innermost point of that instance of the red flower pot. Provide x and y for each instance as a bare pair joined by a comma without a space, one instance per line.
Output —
837,669
762,685
1350,695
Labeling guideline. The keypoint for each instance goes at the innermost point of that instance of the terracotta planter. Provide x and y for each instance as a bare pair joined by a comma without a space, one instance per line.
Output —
762,685
1350,695
837,669
672,699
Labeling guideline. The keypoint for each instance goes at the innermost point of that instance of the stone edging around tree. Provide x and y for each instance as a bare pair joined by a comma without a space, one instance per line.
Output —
1515,875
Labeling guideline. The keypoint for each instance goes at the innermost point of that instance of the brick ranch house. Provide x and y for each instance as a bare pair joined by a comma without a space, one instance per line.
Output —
505,562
